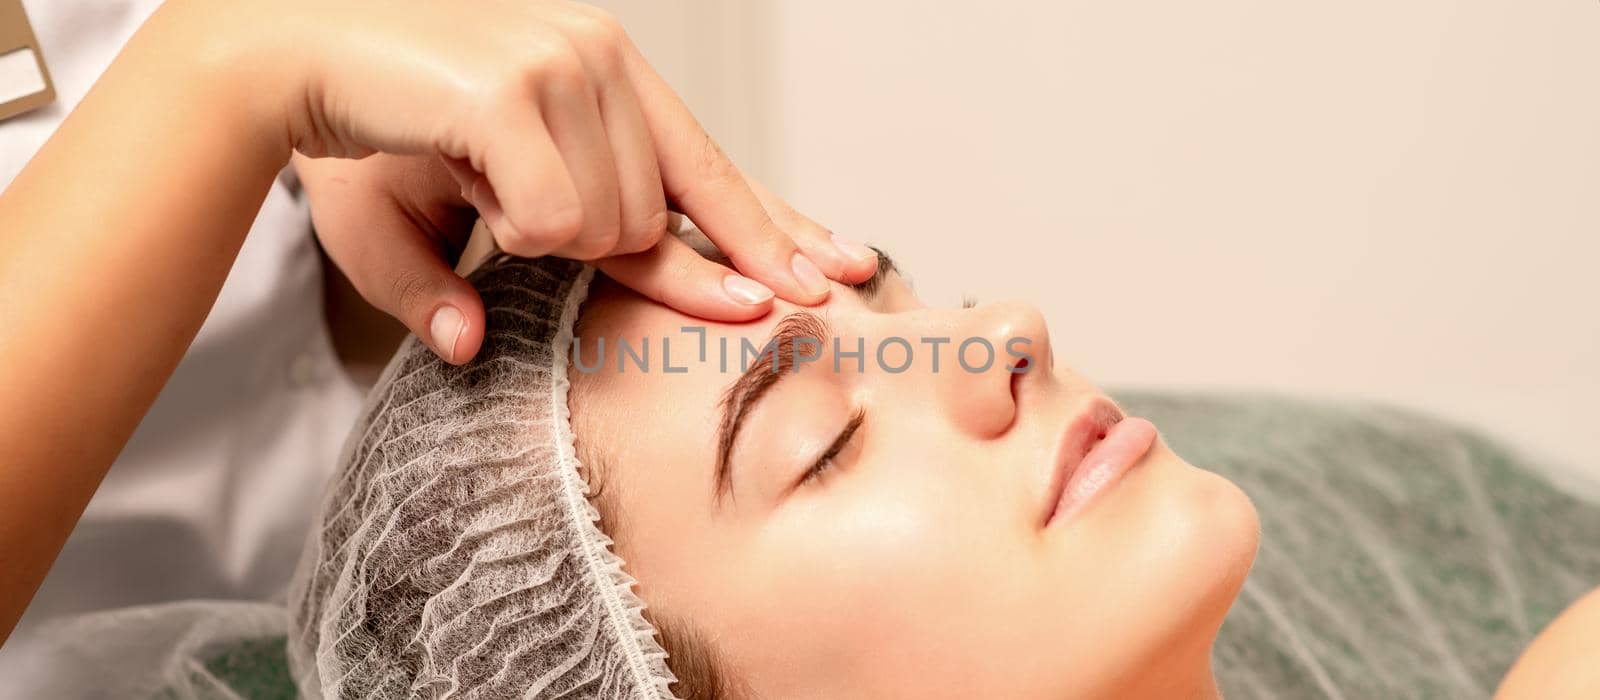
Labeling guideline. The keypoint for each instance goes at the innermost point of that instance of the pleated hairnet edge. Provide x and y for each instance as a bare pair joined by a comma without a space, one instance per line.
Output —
647,660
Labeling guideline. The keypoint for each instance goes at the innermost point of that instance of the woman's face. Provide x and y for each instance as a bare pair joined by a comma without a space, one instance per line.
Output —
923,559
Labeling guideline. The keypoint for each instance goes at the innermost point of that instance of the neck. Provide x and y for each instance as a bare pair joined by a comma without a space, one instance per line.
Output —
1205,687
1182,673
1188,684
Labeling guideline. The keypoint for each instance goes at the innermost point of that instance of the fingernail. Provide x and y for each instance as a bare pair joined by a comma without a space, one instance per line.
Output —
446,328
807,274
853,250
746,290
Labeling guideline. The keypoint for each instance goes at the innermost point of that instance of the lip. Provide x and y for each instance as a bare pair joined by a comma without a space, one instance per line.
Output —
1098,446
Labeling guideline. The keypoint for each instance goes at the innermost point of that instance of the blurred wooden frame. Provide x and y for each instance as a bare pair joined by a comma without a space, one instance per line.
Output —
17,45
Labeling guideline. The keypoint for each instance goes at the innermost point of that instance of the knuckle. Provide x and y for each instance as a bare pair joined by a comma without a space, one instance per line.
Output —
557,227
520,245
713,174
550,66
648,231
628,245
681,270
598,28
538,233
692,266
805,229
775,242
560,76
606,60
565,76
787,218
772,250
713,163
641,233
599,243
513,89
407,291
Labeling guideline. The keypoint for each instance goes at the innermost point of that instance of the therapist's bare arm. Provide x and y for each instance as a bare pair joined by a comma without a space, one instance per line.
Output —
116,238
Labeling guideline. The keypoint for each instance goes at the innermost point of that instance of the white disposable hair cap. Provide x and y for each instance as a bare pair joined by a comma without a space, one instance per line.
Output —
456,555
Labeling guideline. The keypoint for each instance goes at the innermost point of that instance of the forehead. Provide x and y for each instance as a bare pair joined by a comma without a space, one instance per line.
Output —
687,361
668,417
648,436
618,323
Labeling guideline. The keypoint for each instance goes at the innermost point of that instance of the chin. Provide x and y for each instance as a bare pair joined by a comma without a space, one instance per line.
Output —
1175,544
1189,537
1217,530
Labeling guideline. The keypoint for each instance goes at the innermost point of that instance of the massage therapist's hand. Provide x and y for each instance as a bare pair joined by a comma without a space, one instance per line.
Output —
396,224
118,235
549,123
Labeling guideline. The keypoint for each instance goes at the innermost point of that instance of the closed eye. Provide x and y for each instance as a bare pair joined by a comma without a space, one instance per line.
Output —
825,463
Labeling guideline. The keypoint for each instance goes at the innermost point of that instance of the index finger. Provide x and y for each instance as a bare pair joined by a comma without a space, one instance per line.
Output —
705,185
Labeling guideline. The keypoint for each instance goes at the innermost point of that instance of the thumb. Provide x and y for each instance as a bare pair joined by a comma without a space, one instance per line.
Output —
391,225
441,309
407,277
421,290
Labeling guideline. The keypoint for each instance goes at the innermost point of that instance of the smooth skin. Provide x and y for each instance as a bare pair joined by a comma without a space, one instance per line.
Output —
119,233
1561,661
918,563
915,564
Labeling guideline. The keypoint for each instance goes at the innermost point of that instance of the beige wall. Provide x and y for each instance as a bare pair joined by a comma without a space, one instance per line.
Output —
1377,199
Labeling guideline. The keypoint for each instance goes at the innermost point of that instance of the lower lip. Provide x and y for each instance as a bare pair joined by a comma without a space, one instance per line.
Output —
1122,448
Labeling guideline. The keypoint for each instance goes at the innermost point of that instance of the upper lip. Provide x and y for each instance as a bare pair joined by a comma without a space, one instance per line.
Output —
1082,432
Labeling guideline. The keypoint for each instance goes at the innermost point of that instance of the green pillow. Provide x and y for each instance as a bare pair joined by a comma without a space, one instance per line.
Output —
1400,556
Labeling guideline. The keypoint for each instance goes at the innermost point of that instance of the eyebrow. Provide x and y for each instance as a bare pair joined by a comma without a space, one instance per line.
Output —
758,380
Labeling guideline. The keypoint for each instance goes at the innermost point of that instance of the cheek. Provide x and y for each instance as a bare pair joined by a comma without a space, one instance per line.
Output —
852,554
857,568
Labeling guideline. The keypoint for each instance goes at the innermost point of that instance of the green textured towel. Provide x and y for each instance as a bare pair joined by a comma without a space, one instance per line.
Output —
257,669
1401,557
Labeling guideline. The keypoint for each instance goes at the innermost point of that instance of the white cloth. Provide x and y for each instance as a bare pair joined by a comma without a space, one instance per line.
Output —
212,496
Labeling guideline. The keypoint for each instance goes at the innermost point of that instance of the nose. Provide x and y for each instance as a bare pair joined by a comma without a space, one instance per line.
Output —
994,339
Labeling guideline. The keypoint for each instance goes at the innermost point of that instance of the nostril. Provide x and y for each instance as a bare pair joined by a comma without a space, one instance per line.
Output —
1018,371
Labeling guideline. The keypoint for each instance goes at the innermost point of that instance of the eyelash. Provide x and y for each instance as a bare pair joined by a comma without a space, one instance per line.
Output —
825,463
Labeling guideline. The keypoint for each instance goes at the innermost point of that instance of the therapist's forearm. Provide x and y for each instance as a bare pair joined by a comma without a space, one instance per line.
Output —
114,243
